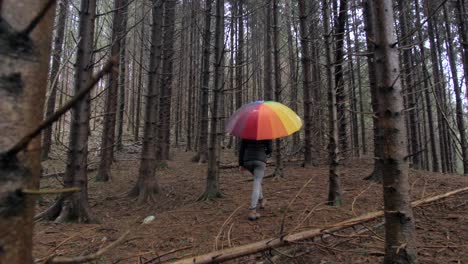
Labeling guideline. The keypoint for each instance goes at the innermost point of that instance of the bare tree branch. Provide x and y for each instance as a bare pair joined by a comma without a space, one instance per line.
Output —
38,18
20,145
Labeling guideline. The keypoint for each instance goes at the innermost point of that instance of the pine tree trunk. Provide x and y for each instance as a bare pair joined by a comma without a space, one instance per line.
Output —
334,189
54,80
408,81
376,174
147,185
277,62
192,72
307,86
212,190
357,48
339,32
75,207
427,98
140,81
239,54
461,12
239,9
399,220
353,100
121,76
165,94
24,63
202,154
292,72
438,86
108,131
267,70
458,98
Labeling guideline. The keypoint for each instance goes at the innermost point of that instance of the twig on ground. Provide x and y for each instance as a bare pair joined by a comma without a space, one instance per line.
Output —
229,235
357,196
291,202
222,226
87,258
283,240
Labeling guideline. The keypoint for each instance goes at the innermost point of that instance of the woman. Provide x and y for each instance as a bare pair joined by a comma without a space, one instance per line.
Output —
252,156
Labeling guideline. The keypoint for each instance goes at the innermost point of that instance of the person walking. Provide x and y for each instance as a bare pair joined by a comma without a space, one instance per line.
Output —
253,155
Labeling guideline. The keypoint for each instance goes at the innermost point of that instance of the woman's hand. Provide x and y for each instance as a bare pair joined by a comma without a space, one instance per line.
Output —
241,169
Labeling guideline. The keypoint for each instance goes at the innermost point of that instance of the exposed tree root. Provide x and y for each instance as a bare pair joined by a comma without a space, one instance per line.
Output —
67,209
145,193
210,195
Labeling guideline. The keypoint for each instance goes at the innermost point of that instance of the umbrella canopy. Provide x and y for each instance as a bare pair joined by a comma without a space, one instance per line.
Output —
263,120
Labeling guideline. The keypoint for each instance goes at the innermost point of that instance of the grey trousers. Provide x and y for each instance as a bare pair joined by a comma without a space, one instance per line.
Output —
257,168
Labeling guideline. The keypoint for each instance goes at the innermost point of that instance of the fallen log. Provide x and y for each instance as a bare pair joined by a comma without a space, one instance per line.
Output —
236,252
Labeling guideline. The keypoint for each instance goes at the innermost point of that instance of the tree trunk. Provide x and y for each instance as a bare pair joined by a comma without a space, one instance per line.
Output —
292,72
140,80
353,99
239,54
376,174
75,207
334,189
399,220
212,180
306,84
165,94
267,70
24,67
121,76
192,73
277,61
438,86
202,154
54,73
357,48
409,84
147,184
461,11
108,131
427,98
458,97
339,32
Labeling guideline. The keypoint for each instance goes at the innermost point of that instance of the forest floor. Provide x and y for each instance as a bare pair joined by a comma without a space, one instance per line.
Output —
184,227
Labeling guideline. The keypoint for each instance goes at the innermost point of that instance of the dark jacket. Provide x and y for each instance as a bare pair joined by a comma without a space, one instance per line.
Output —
254,150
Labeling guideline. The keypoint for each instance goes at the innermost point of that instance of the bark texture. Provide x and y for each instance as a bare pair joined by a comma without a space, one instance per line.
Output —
399,219
24,60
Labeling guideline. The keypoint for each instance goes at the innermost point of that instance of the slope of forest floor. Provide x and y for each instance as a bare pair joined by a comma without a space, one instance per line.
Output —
184,227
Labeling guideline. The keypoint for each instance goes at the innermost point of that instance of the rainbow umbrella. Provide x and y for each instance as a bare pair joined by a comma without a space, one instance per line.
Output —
263,120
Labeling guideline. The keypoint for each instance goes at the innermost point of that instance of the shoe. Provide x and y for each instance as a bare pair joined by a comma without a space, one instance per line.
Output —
262,202
253,215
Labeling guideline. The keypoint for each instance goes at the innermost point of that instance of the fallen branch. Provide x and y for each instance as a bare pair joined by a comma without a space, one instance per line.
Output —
87,258
50,191
236,252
